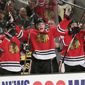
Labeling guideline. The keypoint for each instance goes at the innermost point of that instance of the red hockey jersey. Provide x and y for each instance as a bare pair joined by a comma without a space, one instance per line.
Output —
43,48
75,55
10,59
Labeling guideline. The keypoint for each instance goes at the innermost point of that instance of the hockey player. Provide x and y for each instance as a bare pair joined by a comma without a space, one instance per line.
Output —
43,48
10,58
74,57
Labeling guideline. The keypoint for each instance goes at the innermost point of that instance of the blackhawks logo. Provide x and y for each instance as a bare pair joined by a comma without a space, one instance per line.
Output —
75,44
13,48
42,38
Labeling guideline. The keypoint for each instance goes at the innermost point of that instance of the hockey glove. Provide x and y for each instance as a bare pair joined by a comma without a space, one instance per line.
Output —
74,31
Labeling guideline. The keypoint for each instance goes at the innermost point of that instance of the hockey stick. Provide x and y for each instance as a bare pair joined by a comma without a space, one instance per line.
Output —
61,66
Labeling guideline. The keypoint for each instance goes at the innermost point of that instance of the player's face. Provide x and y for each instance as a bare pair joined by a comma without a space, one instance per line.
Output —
1,16
74,25
41,26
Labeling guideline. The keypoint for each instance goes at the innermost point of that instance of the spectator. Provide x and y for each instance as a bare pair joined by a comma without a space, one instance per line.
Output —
30,8
2,4
51,10
2,23
40,8
10,12
22,19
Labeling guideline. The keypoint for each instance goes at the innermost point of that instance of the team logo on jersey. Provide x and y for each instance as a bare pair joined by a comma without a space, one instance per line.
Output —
42,38
75,44
13,48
